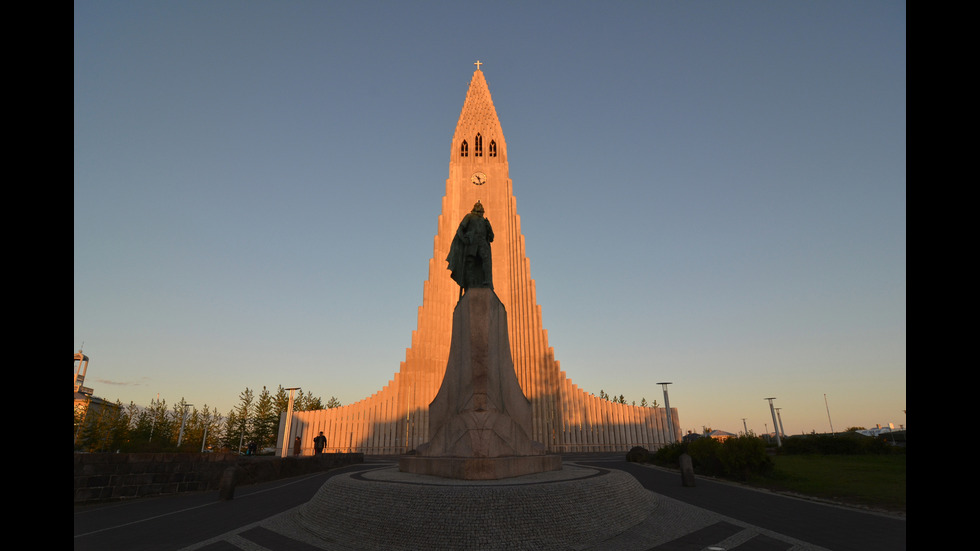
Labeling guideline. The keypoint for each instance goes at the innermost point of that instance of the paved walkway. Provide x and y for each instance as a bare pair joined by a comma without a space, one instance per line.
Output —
820,525
710,516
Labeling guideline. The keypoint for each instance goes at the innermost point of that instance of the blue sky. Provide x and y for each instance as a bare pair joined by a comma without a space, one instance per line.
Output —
712,193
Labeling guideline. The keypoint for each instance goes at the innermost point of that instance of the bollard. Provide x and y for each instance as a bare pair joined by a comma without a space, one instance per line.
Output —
687,471
226,489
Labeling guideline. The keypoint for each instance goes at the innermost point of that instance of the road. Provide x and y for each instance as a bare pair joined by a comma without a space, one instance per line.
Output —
837,528
174,522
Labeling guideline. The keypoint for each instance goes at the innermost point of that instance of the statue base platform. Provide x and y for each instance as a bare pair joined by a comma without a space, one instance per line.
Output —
574,508
480,420
480,468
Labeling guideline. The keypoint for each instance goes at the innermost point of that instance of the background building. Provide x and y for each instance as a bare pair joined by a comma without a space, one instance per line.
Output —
566,418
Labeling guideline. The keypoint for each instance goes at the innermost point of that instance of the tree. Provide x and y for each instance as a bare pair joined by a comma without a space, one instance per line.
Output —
235,432
308,402
180,415
212,421
314,404
233,435
281,401
142,422
643,402
265,422
203,429
162,433
157,427
105,427
193,431
79,420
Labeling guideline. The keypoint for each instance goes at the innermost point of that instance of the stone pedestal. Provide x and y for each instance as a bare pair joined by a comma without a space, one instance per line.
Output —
578,507
480,421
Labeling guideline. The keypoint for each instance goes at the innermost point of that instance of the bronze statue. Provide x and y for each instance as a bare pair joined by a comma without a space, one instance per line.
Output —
469,255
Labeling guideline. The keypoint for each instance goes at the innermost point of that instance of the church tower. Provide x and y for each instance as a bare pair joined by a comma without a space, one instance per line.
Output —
478,171
565,418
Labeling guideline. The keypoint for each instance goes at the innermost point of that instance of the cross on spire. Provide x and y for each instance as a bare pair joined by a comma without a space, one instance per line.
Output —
478,63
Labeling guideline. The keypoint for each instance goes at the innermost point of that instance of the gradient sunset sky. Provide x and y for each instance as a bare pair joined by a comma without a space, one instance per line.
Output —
712,193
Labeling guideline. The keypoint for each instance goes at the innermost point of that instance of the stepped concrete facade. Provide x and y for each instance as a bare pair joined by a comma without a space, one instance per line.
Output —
565,418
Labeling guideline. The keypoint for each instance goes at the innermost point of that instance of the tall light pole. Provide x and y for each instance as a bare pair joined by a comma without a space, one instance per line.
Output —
780,417
745,428
779,443
183,420
153,425
289,421
828,414
670,418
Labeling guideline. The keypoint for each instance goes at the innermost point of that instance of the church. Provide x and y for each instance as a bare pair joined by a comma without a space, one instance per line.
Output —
566,419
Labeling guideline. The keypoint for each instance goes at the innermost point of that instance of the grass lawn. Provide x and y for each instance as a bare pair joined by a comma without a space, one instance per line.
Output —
876,481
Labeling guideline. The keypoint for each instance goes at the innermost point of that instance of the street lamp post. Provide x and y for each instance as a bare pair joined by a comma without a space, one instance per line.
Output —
670,418
183,420
779,443
827,405
289,421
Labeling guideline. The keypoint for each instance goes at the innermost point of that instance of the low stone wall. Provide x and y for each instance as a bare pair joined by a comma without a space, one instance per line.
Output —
110,477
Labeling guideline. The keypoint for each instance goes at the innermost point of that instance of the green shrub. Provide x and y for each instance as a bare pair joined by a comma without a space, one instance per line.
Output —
706,456
638,454
848,443
736,458
743,457
669,455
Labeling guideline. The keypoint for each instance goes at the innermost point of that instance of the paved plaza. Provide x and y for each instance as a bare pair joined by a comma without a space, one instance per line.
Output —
537,512
373,506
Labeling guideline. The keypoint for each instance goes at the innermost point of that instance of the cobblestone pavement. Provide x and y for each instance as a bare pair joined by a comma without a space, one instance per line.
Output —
584,508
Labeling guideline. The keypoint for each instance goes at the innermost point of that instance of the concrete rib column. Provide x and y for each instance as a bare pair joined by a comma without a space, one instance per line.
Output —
630,416
649,426
605,422
595,419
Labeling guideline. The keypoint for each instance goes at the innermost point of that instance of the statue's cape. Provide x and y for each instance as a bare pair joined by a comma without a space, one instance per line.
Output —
457,259
457,251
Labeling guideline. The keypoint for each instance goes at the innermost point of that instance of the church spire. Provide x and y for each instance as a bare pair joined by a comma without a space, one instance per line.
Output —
478,134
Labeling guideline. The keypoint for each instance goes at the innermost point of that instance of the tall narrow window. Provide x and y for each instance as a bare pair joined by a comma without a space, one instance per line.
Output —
478,146
464,149
493,148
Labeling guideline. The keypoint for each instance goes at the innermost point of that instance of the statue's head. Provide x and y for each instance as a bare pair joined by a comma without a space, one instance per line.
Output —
478,208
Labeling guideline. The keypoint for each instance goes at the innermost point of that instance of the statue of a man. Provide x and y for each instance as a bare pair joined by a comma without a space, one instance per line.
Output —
469,255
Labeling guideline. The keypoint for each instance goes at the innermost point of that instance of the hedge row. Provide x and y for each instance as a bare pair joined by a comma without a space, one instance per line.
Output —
737,458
